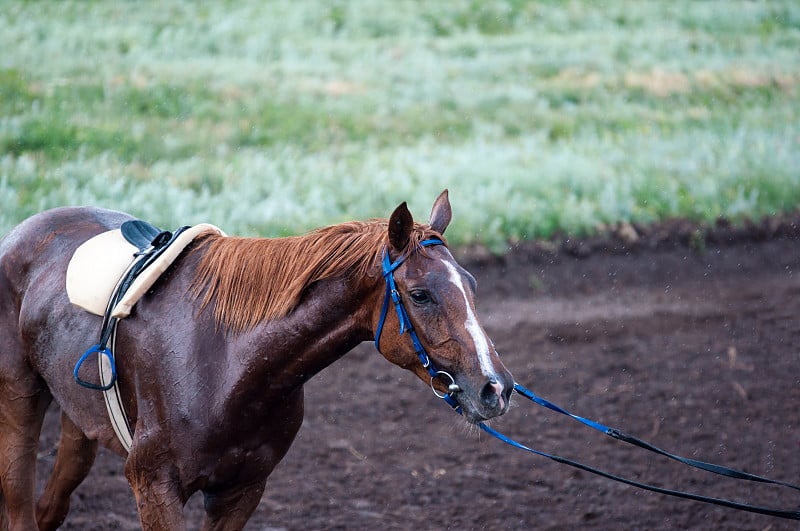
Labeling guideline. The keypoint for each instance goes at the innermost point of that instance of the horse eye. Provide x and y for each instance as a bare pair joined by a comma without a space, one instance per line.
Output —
420,297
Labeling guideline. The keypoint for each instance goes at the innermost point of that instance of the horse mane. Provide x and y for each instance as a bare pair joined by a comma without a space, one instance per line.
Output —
256,279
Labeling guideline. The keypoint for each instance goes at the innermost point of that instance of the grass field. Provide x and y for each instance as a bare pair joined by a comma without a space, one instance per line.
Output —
273,117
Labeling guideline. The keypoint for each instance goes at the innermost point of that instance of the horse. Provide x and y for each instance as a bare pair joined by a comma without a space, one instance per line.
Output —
212,361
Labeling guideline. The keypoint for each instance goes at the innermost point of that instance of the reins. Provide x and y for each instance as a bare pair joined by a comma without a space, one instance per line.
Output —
619,435
622,436
405,325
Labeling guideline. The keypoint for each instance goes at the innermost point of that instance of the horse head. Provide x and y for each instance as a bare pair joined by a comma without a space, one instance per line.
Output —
438,297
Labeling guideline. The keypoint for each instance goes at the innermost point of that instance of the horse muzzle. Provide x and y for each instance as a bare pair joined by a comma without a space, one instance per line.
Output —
490,398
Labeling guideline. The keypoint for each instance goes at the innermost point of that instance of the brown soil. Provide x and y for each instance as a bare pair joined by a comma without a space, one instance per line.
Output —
685,337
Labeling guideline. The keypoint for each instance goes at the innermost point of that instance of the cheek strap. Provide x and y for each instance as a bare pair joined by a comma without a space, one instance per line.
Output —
392,294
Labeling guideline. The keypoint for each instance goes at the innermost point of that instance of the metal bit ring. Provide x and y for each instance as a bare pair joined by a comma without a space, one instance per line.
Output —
451,388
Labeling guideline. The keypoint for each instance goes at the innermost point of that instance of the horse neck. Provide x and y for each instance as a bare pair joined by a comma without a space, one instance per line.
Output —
334,316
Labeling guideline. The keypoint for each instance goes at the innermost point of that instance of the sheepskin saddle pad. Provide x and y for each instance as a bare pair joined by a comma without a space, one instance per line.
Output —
122,264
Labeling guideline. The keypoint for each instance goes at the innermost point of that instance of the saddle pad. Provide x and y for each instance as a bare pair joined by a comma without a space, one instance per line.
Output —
100,262
95,268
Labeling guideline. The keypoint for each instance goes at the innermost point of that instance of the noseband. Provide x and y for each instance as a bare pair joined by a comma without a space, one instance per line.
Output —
389,268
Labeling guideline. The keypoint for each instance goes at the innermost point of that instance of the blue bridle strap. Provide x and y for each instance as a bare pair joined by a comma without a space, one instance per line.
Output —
630,439
779,513
388,269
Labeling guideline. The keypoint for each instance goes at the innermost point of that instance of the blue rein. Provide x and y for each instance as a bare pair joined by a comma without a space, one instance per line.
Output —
392,294
619,435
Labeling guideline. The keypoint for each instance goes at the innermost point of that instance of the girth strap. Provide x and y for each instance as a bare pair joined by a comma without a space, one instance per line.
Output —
113,397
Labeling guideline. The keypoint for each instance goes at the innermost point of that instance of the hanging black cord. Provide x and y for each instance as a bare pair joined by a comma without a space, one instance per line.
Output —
630,439
779,513
619,435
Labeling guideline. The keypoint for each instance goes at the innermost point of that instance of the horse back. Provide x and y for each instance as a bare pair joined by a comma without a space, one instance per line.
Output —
35,254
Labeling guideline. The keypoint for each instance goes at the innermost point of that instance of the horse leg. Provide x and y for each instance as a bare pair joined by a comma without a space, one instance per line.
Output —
155,484
159,504
230,509
74,459
3,519
22,407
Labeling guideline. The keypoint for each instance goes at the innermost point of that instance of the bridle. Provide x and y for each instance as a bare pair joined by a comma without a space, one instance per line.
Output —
388,269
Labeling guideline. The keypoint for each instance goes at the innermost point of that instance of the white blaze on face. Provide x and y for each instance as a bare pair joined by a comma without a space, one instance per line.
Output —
472,325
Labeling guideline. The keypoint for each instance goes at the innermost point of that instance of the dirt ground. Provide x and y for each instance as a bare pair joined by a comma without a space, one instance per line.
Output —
689,341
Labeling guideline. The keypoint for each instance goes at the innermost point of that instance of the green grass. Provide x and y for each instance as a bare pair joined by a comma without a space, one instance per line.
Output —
275,117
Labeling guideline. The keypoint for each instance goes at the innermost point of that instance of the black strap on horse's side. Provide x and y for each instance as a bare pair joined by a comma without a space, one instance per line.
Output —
619,435
150,242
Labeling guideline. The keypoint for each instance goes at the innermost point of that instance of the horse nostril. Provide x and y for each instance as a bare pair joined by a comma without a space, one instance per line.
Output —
492,394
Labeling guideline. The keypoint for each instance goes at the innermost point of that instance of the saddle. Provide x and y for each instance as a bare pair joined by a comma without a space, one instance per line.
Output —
120,265
106,276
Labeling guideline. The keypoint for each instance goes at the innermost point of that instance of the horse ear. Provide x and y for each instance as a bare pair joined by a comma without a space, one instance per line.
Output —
441,214
400,226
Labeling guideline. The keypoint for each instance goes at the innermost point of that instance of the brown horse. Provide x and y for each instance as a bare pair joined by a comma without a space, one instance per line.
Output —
213,359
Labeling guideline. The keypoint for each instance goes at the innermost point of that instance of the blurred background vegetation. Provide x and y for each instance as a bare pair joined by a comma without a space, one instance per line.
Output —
273,117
